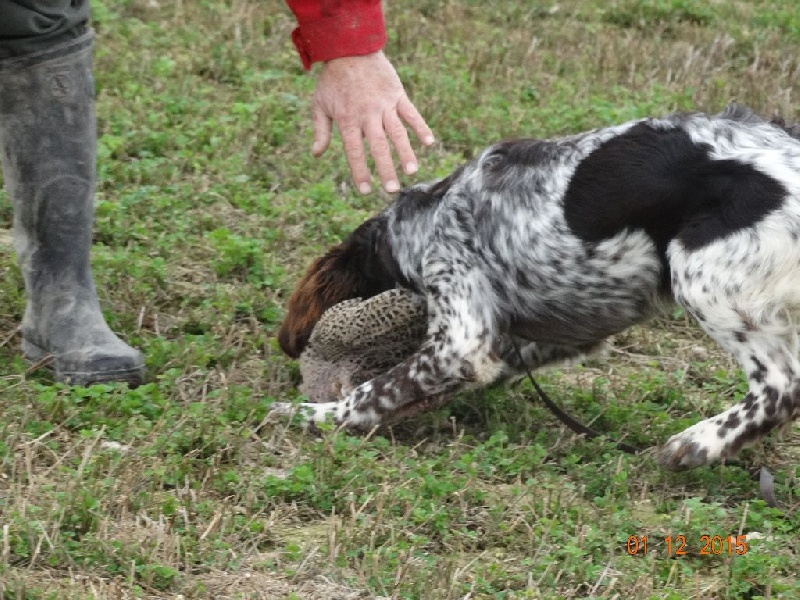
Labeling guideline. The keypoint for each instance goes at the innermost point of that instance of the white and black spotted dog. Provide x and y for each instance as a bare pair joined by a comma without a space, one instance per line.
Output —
561,243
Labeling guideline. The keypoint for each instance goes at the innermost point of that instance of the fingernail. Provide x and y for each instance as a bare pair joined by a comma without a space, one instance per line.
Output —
315,148
364,188
411,167
428,140
391,186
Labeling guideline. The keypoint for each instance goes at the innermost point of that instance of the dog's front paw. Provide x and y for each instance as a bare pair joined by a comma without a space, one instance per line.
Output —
309,413
696,446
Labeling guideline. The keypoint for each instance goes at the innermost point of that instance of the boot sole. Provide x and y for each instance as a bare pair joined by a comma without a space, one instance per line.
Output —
134,377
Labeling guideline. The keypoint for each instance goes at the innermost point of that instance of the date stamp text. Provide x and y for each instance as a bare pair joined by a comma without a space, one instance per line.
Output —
679,545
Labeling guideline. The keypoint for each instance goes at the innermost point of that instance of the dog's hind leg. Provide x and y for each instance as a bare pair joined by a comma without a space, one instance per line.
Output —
743,311
535,355
521,355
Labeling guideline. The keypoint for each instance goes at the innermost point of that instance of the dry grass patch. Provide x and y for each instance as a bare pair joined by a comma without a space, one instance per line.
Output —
210,207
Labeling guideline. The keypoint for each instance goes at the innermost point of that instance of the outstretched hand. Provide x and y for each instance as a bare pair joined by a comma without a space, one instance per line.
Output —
364,97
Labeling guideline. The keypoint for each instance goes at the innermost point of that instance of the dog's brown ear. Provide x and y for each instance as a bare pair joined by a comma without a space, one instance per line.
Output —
361,266
327,281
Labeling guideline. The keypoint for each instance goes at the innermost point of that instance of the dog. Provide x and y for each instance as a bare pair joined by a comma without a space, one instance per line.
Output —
538,250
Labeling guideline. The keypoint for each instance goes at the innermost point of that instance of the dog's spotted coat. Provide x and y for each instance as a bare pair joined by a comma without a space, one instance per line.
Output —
562,243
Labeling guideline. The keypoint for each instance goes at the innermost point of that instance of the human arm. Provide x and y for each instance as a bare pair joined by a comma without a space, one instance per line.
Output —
358,89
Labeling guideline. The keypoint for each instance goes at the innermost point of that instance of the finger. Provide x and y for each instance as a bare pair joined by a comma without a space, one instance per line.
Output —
397,133
408,112
382,155
353,142
322,132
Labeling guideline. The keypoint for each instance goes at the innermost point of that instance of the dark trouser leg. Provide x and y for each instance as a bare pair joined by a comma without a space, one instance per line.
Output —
48,140
30,26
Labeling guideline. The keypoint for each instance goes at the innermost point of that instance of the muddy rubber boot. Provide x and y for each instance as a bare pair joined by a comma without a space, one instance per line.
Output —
48,140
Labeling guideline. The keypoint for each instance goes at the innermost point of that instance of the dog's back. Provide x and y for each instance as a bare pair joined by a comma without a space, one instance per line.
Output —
573,234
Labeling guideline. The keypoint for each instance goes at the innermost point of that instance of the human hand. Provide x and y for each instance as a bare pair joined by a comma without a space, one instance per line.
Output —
364,97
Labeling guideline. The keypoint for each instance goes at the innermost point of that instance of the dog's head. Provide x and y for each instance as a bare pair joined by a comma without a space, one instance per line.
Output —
361,266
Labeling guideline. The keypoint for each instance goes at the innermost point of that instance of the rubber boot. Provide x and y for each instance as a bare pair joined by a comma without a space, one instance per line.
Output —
48,140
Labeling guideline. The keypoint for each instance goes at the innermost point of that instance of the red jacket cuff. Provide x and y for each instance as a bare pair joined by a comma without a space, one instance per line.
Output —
352,31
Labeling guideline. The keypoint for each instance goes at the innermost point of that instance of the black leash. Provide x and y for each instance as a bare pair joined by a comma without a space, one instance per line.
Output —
574,425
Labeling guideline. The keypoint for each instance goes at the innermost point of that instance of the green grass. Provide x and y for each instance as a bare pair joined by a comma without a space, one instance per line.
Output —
209,206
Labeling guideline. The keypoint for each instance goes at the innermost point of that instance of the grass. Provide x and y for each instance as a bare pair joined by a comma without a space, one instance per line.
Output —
209,206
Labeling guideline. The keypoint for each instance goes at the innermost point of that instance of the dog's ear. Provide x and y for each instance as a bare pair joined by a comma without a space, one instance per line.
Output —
355,268
327,281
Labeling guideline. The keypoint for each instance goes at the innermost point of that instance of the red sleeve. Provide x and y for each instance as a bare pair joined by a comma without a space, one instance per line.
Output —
328,29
